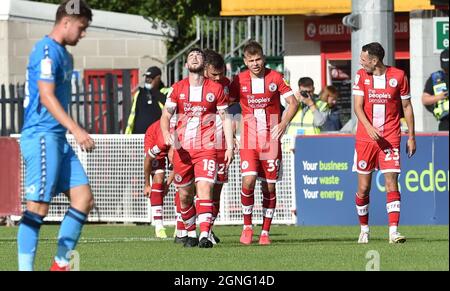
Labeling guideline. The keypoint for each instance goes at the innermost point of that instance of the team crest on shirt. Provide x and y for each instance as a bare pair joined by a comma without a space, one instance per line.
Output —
178,178
273,87
210,97
393,83
362,164
244,165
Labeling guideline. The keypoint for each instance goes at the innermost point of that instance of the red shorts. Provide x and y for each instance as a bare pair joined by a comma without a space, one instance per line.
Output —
222,171
190,166
265,167
371,156
159,165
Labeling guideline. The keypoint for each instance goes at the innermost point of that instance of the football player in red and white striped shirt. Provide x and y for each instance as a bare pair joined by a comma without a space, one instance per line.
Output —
381,95
258,90
155,163
196,101
215,71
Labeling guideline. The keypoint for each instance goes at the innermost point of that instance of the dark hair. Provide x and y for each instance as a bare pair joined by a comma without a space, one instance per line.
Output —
195,49
305,82
73,8
253,48
214,59
374,49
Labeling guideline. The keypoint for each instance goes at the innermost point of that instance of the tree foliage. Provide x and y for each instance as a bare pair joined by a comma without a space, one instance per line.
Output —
178,14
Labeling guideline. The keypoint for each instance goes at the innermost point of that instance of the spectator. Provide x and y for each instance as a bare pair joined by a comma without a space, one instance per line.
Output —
312,112
147,103
329,95
435,94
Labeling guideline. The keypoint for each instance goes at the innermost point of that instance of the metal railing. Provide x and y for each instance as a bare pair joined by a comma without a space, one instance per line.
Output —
227,36
100,105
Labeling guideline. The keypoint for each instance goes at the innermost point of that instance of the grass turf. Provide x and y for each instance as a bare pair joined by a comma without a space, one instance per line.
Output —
129,247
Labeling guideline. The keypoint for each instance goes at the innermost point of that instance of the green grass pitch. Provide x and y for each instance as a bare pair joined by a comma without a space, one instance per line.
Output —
294,248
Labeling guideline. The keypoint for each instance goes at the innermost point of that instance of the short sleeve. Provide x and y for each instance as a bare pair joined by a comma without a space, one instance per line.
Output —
172,98
404,88
358,86
283,88
234,94
222,99
47,61
429,87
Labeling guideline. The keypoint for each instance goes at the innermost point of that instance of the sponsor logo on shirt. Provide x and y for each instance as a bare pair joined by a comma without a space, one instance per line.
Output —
367,82
196,110
375,97
244,89
254,102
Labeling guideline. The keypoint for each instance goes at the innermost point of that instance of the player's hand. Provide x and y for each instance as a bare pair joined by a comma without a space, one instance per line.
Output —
278,130
411,146
373,133
148,191
168,139
83,139
229,156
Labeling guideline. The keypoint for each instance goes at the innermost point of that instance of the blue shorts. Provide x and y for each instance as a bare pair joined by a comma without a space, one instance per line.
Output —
51,166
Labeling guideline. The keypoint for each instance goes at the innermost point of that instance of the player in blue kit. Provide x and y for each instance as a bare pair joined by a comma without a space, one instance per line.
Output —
51,165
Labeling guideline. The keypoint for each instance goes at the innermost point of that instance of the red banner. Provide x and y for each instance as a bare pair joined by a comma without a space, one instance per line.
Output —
9,177
332,29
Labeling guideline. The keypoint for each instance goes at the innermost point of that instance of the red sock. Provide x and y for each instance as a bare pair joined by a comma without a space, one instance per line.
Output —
215,212
189,215
247,200
204,210
156,200
179,219
269,204
362,208
393,207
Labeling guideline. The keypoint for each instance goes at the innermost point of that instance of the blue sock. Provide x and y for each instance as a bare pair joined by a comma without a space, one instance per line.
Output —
69,233
27,239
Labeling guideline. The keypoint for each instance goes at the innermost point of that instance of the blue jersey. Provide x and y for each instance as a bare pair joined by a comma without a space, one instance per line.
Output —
49,62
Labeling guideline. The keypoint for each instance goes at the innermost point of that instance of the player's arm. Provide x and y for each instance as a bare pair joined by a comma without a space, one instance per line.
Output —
359,111
49,101
229,136
292,107
167,113
409,118
147,172
428,98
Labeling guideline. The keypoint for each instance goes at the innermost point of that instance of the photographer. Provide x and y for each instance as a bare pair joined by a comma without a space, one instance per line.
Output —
312,112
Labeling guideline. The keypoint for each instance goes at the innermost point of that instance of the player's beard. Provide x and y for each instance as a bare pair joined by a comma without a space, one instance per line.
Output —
196,70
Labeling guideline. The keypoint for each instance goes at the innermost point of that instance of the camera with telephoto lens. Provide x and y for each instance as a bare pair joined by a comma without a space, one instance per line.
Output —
304,93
